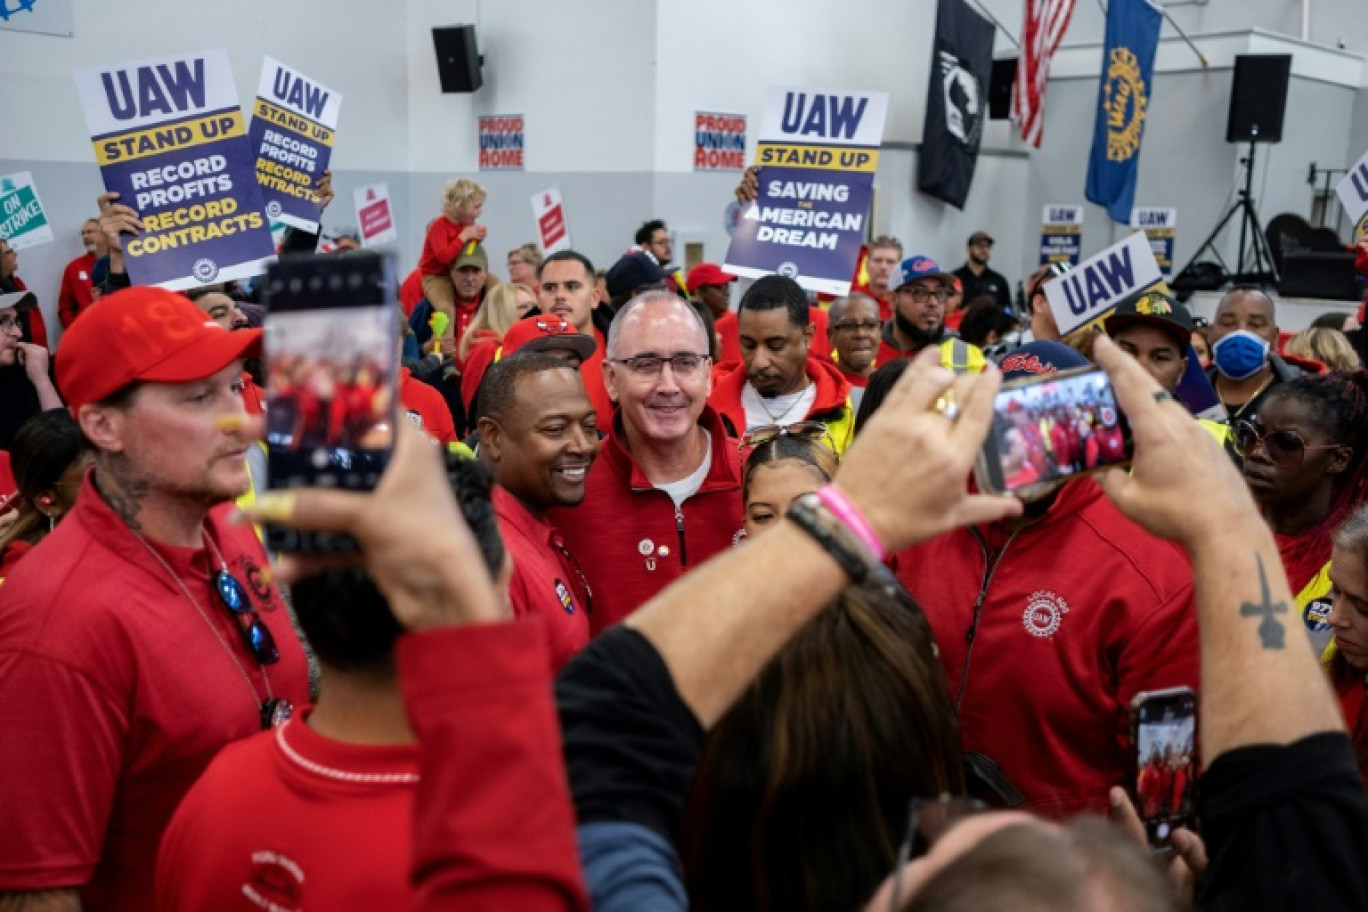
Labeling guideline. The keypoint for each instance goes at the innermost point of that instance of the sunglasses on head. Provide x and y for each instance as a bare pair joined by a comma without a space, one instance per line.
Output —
763,434
254,631
1285,448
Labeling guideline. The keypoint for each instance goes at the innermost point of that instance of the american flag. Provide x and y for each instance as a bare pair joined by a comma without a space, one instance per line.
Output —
1046,22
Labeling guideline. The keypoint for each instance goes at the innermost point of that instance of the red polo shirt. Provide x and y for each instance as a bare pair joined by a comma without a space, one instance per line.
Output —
296,819
546,582
115,693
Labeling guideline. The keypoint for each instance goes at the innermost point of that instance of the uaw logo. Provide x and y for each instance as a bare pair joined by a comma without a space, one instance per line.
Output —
1154,305
788,269
204,269
563,593
963,100
273,209
1044,613
1125,104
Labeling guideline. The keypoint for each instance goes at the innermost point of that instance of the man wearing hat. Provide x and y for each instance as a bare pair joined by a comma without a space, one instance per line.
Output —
920,290
469,272
1155,330
711,287
536,333
977,278
146,634
25,387
1048,626
634,272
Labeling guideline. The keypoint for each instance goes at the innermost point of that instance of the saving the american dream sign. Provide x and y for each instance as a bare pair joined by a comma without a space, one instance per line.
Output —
169,139
818,150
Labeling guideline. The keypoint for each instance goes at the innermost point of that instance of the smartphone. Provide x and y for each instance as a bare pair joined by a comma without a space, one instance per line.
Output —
1164,742
1047,430
332,363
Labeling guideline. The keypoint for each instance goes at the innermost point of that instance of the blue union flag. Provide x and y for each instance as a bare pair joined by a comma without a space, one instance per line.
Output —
1123,102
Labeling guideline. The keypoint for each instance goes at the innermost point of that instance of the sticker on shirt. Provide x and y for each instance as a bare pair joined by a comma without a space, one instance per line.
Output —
275,882
566,599
1044,613
1317,614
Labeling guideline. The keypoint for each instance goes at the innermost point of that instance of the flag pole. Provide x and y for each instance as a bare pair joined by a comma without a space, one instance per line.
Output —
1183,35
996,24
1176,27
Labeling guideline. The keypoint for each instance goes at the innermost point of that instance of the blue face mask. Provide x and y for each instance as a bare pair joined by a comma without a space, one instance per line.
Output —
1240,355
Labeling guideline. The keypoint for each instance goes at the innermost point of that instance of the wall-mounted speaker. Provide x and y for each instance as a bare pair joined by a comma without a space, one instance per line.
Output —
458,60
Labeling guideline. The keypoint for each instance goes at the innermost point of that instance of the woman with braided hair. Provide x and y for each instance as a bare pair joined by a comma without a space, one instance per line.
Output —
1304,462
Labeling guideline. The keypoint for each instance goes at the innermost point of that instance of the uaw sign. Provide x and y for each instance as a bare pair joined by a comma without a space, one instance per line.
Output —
294,120
1061,235
1161,227
1100,283
169,139
1353,194
818,150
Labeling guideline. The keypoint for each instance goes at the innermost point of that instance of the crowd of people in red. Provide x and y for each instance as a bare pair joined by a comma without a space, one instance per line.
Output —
670,602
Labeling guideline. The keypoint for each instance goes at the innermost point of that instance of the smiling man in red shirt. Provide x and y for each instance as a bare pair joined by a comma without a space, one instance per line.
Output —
539,436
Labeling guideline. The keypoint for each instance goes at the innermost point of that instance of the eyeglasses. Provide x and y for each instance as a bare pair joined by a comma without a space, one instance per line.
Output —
764,433
1284,448
857,326
10,324
922,295
684,364
254,631
927,821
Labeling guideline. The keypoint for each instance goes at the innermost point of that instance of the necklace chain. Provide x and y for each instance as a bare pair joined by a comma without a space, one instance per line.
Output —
185,590
778,419
343,775
1263,386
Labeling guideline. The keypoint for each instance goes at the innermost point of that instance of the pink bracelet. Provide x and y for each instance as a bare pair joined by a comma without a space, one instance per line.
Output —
834,499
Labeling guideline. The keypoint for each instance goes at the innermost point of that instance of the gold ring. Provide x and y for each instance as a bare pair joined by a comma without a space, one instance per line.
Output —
947,406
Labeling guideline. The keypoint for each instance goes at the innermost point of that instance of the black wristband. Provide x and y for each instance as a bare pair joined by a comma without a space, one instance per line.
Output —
811,515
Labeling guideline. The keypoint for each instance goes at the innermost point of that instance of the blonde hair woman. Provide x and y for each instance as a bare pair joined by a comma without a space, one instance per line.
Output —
1328,346
503,306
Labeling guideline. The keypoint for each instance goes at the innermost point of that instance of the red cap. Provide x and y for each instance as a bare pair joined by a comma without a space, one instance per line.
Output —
708,274
144,333
540,332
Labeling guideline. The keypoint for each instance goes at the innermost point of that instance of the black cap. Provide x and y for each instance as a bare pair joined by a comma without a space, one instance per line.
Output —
1153,308
632,272
981,235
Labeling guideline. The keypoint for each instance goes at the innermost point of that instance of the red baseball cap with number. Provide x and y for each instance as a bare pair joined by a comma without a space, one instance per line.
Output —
144,333
539,333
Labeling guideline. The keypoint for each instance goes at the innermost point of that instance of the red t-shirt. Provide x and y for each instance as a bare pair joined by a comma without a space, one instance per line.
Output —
546,581
425,407
115,693
296,819
76,291
411,292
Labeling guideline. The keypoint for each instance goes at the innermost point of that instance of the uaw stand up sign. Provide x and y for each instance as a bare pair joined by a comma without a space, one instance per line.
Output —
169,139
818,150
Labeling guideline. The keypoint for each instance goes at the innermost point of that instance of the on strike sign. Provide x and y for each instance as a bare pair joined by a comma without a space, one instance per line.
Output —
374,215
719,142
501,143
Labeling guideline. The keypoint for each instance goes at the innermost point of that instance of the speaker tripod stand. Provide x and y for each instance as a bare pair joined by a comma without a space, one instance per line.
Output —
1255,265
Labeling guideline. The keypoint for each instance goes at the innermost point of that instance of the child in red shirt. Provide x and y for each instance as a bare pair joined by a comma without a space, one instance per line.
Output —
462,200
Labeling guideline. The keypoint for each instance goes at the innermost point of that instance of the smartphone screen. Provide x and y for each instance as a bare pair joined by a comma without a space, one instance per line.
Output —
1050,429
1165,738
332,354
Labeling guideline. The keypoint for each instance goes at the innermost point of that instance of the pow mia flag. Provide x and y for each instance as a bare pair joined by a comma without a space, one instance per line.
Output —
956,103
